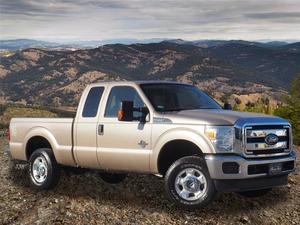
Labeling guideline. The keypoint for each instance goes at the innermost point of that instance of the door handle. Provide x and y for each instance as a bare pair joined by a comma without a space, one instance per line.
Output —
142,144
100,129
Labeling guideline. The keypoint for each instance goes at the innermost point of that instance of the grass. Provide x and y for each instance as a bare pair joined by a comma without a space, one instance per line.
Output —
17,111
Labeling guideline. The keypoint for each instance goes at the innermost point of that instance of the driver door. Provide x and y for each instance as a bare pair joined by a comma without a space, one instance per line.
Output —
123,145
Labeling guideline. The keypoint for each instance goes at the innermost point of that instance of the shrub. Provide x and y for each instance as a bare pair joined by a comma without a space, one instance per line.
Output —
290,109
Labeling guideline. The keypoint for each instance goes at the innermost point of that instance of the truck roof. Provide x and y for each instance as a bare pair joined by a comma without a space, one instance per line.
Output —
140,82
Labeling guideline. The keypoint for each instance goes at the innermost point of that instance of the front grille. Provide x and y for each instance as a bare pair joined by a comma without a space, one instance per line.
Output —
266,140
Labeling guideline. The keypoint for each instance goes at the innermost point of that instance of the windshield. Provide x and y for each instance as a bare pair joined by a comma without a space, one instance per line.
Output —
177,97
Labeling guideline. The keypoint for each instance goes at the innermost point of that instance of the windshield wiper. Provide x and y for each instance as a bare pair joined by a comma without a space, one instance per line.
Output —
178,109
182,109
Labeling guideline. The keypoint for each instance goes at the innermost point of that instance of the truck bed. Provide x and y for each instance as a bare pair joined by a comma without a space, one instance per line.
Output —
60,129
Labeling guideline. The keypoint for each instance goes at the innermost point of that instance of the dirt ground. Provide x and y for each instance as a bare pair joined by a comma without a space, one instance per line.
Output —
83,198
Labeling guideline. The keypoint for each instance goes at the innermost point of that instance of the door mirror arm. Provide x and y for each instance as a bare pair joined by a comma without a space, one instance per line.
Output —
145,112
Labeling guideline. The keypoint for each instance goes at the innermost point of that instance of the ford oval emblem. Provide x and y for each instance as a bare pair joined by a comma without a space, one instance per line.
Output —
271,139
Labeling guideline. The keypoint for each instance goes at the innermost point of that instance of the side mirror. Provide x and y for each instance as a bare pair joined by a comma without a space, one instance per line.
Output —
227,106
126,111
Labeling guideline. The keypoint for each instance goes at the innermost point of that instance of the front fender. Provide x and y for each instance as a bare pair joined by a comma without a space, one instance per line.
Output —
178,134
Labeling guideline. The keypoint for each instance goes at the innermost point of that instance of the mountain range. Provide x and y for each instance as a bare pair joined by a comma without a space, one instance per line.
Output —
19,44
46,76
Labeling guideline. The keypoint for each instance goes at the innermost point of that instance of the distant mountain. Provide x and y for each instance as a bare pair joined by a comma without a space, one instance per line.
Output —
274,66
24,43
51,77
294,47
20,44
276,43
213,43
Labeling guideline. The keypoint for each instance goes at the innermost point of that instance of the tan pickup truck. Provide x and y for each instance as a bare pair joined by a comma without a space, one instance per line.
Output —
169,129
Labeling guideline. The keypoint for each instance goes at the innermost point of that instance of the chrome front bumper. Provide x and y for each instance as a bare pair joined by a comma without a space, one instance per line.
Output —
215,165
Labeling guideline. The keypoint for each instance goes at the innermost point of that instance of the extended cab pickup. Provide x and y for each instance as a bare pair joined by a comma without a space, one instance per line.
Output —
169,129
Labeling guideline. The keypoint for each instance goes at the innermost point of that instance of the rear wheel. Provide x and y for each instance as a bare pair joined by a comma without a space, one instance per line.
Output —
255,193
43,169
188,184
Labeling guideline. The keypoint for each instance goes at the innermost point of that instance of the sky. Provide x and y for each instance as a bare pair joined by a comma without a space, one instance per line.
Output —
145,19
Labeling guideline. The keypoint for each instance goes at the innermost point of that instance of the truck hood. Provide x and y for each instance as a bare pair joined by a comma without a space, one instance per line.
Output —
220,117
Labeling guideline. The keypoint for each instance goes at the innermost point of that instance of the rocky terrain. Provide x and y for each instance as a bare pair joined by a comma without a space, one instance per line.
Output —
83,198
57,77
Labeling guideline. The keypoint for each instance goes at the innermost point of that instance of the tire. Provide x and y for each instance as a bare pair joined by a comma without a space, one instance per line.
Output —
44,171
112,178
255,193
184,176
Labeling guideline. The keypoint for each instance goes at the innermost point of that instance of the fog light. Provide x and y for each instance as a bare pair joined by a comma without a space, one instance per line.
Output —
230,168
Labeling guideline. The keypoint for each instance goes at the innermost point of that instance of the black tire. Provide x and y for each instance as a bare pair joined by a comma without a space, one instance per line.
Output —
175,169
112,178
53,169
255,193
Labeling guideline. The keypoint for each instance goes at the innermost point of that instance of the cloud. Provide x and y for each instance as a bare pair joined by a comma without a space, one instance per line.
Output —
274,15
190,19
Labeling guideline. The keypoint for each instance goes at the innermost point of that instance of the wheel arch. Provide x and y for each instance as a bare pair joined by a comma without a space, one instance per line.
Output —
196,145
39,137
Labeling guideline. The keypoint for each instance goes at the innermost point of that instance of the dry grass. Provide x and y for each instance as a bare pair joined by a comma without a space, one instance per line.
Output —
13,111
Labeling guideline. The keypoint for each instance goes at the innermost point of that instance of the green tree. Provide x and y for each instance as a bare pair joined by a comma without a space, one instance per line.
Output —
290,109
2,108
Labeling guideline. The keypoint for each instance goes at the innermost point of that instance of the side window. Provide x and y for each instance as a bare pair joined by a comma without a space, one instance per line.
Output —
92,102
119,94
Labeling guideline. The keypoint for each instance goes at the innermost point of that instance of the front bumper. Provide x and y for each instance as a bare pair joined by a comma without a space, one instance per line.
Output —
239,185
215,165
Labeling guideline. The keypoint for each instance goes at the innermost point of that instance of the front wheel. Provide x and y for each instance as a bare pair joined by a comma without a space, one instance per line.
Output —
43,169
188,184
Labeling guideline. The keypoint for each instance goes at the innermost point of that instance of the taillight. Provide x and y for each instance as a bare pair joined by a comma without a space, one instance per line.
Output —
8,135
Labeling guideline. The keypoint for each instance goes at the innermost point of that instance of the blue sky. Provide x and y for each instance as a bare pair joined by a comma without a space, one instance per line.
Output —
144,19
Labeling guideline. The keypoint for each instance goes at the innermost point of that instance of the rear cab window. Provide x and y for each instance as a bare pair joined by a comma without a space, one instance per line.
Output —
92,102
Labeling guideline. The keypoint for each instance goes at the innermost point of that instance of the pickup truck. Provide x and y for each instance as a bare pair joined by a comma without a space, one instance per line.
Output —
165,128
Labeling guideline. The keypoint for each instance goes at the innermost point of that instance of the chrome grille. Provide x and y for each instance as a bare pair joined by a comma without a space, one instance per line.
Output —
255,144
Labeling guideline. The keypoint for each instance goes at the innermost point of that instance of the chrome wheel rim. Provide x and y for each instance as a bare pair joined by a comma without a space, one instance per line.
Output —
39,169
190,184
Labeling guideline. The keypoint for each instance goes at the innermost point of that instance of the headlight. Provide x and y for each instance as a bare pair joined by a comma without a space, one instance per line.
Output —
221,137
